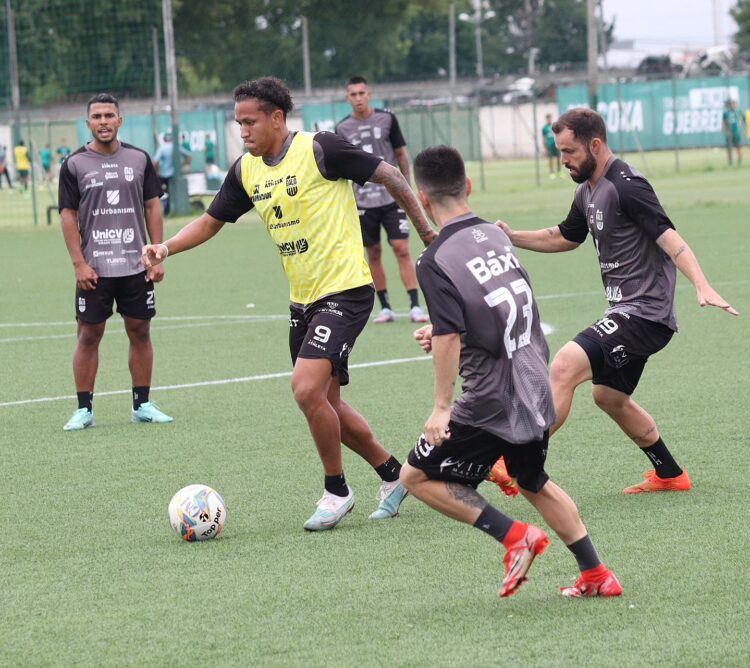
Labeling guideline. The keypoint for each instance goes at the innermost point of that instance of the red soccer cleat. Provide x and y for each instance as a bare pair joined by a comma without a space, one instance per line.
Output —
499,475
653,483
519,556
599,581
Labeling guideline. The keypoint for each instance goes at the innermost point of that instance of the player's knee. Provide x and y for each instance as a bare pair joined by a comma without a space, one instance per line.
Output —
401,250
307,395
610,401
567,369
410,476
374,252
90,336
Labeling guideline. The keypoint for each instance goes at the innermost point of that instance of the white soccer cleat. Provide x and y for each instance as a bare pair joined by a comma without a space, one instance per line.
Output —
330,511
385,315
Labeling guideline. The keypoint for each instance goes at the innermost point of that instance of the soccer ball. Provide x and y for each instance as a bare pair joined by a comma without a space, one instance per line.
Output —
197,512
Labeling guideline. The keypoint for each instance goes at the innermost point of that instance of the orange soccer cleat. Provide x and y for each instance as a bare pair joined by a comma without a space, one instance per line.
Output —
519,557
599,581
652,483
499,475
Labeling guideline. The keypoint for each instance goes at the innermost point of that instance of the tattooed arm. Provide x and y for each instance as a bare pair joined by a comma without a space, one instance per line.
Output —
398,187
684,258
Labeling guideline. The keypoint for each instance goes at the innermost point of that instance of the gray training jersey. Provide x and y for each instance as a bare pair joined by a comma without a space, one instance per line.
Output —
378,134
108,192
624,217
475,286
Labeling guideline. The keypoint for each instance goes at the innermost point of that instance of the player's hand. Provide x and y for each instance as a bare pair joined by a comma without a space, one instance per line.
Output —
153,254
86,277
423,336
436,428
155,274
505,228
707,296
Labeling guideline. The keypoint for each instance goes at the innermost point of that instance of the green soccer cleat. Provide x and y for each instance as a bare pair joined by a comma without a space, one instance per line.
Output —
330,511
391,495
81,419
149,412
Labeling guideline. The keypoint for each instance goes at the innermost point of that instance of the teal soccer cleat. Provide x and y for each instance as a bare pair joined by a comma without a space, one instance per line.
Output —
149,412
391,495
330,511
81,419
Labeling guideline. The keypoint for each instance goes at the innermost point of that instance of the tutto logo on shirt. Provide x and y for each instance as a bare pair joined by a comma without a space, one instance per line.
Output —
288,248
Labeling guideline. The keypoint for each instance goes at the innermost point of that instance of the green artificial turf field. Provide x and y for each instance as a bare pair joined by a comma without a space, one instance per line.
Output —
92,574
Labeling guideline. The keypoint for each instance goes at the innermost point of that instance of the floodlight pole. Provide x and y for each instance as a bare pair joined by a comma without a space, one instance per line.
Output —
593,70
478,38
157,65
306,57
15,90
178,192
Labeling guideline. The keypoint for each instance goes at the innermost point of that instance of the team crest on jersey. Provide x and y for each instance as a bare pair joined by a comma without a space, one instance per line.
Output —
599,220
291,185
277,212
129,175
82,304
377,132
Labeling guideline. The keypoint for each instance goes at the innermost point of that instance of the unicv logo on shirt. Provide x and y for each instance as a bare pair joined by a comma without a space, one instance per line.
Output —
113,235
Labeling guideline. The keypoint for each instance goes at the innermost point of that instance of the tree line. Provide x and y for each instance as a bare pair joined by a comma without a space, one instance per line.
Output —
70,48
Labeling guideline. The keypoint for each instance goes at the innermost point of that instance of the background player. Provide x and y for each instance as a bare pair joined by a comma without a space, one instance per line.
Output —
486,322
377,131
109,198
638,250
300,185
553,155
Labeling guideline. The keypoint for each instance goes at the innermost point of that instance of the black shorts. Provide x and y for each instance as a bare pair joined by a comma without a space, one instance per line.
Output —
135,296
468,455
328,328
390,217
618,347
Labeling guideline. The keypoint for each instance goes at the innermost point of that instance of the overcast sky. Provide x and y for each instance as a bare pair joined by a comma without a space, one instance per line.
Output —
670,23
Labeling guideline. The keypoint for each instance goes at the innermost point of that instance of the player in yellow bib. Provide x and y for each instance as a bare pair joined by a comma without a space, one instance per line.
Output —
301,185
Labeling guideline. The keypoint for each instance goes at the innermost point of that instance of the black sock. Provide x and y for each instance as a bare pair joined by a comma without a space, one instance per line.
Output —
140,396
383,297
413,297
493,523
664,463
585,553
336,484
85,400
388,471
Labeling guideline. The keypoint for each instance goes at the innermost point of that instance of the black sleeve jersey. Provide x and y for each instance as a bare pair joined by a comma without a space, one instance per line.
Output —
574,227
151,185
396,138
444,301
232,200
68,194
639,202
339,159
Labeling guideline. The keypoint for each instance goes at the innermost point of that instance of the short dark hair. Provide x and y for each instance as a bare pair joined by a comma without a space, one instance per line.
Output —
440,172
270,92
102,98
356,80
585,124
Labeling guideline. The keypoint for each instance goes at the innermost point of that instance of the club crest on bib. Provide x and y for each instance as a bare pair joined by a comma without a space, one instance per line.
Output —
291,185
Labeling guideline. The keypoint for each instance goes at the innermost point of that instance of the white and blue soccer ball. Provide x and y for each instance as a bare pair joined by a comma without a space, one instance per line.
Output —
197,512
